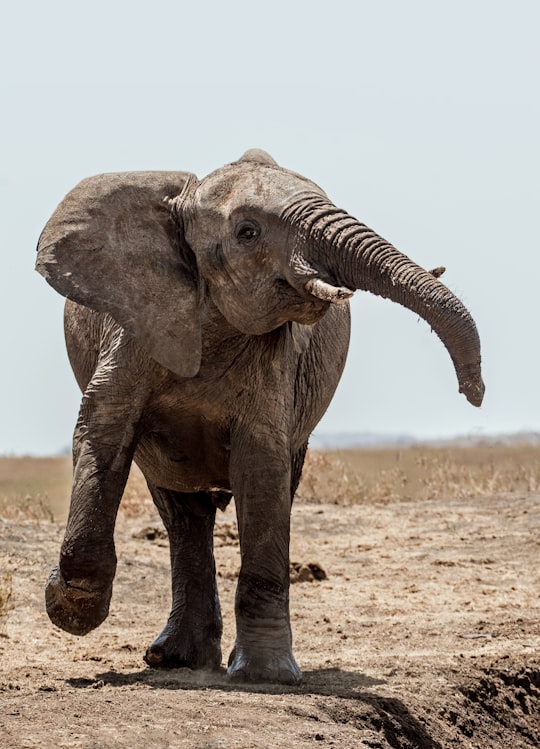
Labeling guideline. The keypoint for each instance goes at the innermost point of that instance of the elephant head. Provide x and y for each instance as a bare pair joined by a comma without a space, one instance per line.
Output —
264,244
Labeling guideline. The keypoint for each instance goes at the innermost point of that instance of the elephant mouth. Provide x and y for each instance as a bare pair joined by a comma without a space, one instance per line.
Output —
302,306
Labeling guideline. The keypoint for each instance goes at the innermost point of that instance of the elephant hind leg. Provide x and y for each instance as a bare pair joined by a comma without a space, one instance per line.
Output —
192,635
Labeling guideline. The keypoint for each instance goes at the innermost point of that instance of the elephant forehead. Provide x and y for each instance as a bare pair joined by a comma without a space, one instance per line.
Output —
251,185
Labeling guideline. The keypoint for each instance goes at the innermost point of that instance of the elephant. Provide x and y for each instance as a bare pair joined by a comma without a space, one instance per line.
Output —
207,324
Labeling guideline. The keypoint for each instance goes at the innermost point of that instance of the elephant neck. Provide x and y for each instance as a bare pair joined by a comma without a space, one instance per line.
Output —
216,330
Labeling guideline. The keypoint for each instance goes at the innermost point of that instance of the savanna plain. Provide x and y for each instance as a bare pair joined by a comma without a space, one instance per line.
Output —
415,613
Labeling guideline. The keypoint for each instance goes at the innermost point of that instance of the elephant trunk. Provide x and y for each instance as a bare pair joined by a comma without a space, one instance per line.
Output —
347,254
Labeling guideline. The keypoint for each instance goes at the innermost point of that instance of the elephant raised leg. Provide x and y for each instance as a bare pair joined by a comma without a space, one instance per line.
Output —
192,635
79,589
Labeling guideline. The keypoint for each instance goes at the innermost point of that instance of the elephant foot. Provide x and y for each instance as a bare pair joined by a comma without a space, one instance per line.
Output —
75,608
263,648
172,649
279,667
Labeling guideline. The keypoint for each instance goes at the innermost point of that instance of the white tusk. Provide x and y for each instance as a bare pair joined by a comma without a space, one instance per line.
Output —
326,291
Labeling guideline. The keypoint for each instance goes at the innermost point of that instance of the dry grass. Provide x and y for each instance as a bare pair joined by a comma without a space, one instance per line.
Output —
356,476
34,488
38,488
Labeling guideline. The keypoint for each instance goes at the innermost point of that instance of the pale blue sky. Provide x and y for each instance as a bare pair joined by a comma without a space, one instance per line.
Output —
421,118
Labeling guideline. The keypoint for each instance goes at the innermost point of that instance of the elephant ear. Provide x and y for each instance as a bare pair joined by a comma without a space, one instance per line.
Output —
113,245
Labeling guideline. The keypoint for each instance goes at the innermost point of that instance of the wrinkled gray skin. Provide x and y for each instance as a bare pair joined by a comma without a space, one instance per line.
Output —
207,326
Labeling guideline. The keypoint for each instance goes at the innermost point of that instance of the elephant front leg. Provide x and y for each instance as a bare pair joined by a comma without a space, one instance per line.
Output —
78,591
263,647
192,635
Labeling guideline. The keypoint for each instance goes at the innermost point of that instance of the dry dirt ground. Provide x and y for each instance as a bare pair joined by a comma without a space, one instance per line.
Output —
424,634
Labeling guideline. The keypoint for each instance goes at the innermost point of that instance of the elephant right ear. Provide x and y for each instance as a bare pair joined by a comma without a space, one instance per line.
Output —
113,245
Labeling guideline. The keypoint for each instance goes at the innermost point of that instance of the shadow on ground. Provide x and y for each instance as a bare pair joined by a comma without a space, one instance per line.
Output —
351,703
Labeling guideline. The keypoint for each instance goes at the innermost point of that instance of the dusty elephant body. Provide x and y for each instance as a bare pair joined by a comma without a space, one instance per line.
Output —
207,326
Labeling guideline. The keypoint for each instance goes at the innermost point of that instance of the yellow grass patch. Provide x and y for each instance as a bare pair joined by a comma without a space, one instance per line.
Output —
35,488
39,488
355,476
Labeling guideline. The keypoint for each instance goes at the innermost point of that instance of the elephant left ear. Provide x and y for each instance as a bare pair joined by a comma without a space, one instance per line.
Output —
113,245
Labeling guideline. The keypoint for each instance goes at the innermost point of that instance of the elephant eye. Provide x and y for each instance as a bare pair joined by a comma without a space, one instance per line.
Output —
247,232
